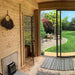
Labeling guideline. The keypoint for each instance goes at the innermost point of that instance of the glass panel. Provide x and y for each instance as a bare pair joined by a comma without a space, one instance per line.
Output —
48,32
27,29
68,33
28,37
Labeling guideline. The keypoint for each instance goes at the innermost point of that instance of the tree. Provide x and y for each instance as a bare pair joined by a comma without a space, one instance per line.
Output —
51,16
65,23
73,21
48,26
72,24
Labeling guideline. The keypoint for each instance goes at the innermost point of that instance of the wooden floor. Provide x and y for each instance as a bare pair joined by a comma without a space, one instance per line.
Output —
29,64
32,70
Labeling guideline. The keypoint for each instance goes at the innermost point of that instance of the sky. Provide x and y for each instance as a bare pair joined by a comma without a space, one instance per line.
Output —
70,14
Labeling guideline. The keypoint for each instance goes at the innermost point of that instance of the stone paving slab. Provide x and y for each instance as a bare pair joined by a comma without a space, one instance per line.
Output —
50,43
60,64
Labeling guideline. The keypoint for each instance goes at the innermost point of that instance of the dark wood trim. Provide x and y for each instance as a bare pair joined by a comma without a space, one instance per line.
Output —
60,33
32,38
57,8
66,9
57,5
36,51
39,39
55,1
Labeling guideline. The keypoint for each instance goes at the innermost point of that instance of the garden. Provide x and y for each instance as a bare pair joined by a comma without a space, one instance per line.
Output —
48,31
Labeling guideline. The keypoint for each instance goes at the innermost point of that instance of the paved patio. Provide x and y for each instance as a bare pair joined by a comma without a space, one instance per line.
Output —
50,43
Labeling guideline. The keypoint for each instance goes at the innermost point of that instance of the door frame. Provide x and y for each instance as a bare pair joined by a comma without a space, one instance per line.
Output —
39,42
56,30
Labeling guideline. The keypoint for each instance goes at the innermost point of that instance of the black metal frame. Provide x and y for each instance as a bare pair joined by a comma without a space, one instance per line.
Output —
60,33
57,33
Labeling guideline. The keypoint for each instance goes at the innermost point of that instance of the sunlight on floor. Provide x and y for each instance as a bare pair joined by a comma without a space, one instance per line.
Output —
32,69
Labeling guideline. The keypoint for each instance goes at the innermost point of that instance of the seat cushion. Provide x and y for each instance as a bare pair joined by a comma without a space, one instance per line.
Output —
20,73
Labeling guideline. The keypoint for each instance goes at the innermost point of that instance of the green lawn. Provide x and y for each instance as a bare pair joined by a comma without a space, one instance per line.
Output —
69,46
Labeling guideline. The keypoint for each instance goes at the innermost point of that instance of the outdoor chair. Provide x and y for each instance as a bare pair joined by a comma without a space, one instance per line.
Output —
49,36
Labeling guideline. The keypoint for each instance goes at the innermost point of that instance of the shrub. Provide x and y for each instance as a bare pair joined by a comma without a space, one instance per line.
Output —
48,26
43,34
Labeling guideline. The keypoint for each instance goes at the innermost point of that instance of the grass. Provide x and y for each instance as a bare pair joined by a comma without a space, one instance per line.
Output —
69,46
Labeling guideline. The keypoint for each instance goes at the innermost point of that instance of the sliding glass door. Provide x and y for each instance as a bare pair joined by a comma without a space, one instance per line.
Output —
65,33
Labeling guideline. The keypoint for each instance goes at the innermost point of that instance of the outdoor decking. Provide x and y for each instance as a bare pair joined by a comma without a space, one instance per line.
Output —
33,69
37,67
62,54
59,64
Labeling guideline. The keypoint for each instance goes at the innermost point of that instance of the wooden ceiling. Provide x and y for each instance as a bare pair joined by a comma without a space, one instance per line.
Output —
40,1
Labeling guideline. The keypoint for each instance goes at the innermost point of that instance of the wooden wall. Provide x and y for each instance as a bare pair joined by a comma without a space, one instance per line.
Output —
10,40
28,6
